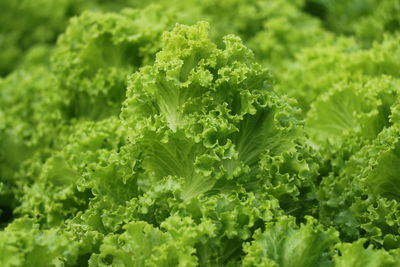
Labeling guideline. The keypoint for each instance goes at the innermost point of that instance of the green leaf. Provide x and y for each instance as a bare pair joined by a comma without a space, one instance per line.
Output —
285,244
356,255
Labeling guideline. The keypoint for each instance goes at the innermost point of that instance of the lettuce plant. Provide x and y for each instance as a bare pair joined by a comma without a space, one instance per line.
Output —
199,133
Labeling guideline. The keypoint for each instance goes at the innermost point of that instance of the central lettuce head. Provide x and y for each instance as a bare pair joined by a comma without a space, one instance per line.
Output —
209,117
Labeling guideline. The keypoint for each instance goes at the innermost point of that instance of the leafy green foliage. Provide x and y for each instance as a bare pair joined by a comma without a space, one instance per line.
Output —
97,52
285,244
199,133
356,255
